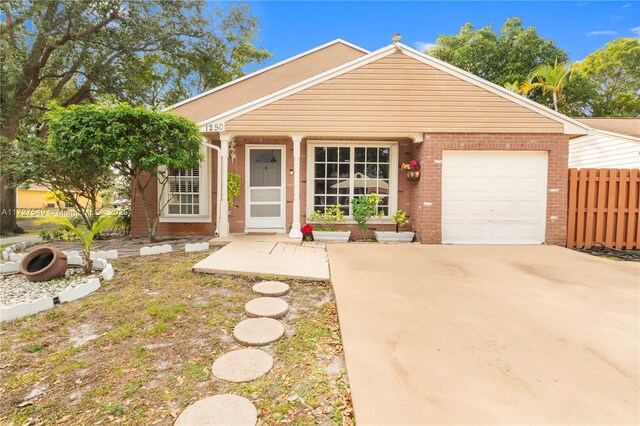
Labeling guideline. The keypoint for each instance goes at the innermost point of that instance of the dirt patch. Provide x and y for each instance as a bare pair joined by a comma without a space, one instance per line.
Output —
140,350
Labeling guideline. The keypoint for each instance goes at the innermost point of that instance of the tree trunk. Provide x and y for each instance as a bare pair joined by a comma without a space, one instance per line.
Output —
88,263
555,101
8,201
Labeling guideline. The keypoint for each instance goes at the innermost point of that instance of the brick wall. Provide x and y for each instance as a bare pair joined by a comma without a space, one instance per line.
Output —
427,220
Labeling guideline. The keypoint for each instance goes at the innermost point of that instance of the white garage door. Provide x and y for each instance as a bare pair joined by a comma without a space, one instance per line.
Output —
494,197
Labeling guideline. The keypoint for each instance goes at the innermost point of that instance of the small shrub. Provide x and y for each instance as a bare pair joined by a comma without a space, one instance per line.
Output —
364,208
331,216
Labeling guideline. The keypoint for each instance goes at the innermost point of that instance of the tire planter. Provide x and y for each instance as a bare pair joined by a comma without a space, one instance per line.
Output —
43,264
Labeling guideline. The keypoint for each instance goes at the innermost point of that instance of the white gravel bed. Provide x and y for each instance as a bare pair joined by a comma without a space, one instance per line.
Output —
15,288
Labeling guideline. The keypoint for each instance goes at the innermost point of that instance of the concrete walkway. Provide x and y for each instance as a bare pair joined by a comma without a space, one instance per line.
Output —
488,334
268,258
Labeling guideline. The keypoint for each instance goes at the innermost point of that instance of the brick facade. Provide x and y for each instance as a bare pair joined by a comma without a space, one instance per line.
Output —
425,220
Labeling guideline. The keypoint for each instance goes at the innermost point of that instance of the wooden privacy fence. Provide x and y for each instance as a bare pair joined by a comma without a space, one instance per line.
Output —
603,208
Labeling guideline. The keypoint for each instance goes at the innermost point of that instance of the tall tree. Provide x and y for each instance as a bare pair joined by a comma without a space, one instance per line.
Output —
548,79
143,51
614,70
500,58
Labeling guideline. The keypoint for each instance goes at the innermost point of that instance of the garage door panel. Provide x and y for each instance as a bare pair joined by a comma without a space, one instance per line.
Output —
494,197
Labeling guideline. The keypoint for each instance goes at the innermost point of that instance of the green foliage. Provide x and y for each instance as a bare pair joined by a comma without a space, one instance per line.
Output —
84,234
151,52
234,183
138,142
400,219
614,71
123,221
328,218
500,58
549,79
364,208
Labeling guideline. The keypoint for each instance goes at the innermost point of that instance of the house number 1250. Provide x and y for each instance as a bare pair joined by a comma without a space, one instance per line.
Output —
215,127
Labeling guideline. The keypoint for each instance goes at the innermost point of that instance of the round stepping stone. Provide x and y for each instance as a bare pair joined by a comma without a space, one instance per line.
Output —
220,410
271,307
258,331
271,288
242,365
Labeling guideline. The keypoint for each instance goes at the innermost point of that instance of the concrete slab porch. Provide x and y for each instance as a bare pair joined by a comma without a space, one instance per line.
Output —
271,258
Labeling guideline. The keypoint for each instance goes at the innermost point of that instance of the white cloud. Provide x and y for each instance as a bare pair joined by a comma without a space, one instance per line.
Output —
423,45
635,30
626,6
600,33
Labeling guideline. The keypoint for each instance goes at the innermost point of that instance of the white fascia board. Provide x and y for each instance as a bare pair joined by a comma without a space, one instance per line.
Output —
260,71
304,84
571,126
615,135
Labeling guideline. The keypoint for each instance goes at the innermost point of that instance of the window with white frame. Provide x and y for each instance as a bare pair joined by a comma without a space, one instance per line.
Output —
341,172
183,192
185,195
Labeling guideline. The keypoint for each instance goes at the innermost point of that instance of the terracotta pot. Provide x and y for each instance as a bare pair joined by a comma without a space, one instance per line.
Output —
43,264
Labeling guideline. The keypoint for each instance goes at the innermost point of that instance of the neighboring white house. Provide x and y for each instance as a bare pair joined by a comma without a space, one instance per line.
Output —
613,143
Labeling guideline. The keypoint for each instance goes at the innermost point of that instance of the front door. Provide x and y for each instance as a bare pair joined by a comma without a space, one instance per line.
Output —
265,188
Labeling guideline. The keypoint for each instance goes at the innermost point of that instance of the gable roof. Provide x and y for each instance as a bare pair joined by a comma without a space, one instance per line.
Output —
620,126
570,125
268,80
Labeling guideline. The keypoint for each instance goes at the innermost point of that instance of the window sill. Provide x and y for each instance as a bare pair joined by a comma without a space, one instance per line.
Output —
185,219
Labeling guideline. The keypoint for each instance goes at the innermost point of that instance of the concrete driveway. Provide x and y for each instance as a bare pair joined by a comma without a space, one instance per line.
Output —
488,334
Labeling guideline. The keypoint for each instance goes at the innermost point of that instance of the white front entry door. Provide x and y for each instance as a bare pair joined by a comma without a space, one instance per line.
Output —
494,197
265,188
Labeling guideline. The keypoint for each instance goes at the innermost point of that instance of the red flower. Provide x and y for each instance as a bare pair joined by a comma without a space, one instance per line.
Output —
412,165
306,229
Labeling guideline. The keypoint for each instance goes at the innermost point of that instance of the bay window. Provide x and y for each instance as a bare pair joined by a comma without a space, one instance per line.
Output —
339,172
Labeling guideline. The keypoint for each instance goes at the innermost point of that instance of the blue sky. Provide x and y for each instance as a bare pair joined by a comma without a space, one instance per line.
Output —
580,27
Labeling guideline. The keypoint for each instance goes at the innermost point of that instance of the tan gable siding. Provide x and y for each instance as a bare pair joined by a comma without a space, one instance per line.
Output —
268,82
395,93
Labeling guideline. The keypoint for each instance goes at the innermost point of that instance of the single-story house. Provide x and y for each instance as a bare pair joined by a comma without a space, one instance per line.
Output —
612,143
337,121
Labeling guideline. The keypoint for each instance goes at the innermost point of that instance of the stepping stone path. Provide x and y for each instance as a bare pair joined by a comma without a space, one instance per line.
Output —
271,288
243,365
270,307
220,410
258,331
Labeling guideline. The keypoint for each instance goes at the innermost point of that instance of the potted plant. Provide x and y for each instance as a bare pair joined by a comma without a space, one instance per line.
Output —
413,170
326,221
307,232
364,208
399,236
